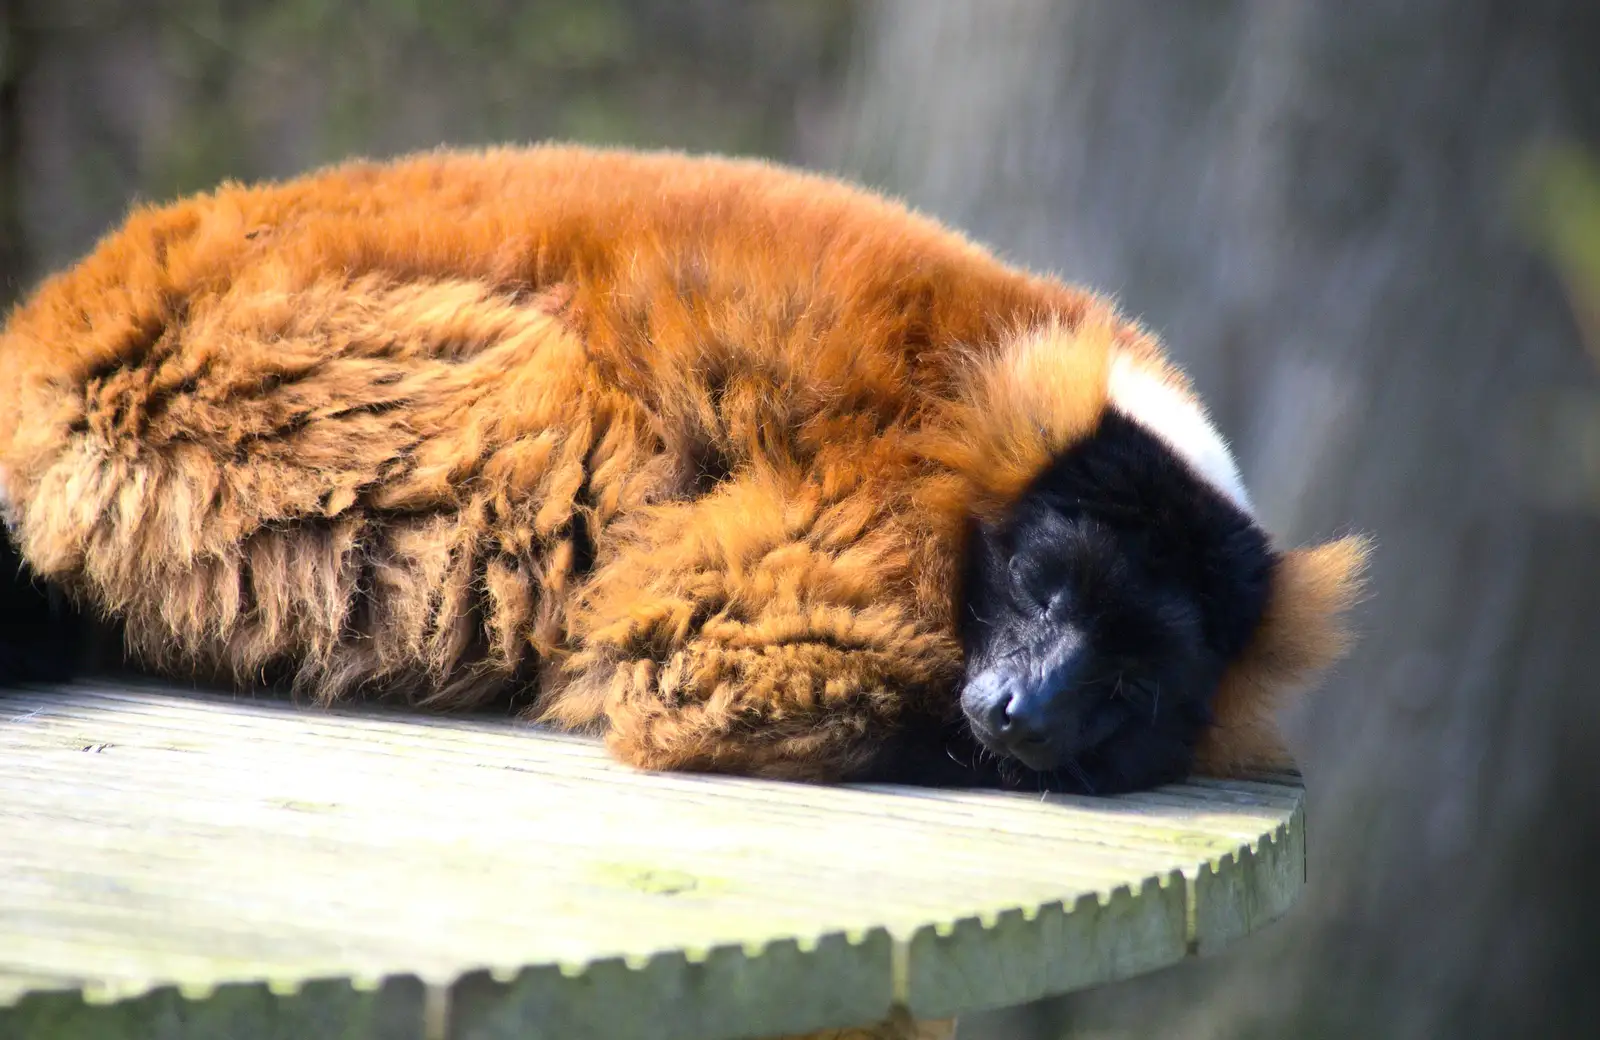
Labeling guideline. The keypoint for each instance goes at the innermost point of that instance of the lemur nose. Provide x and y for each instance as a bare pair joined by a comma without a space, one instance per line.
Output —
1005,707
986,699
1022,717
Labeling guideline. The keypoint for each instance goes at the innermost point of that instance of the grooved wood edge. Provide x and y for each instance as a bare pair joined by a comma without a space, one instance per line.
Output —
319,1009
973,964
837,981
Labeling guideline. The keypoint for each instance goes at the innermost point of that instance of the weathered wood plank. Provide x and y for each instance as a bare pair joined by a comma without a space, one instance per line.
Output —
179,863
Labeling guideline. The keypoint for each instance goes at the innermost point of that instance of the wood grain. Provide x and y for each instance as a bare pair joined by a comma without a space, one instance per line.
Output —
183,866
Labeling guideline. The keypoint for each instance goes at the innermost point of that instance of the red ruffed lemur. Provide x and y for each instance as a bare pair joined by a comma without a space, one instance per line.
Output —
747,469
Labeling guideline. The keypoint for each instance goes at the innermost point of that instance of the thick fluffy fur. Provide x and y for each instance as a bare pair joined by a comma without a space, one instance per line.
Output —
687,448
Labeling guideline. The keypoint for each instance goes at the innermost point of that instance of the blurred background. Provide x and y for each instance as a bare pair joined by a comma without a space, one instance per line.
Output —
1371,230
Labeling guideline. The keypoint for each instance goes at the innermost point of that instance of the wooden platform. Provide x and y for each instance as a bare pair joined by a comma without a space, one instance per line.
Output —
188,867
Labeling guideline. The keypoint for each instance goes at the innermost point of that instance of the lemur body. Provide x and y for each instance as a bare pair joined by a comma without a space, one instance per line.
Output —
748,469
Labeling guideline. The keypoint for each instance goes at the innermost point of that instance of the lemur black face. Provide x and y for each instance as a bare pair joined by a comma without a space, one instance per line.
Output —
1099,615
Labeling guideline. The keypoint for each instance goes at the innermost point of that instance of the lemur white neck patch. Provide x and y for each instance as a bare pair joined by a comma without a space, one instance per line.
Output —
1180,424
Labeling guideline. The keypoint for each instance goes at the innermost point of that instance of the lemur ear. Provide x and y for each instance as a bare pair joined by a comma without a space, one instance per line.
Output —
1304,631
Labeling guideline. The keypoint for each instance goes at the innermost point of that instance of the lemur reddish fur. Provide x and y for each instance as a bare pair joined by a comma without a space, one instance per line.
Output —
374,422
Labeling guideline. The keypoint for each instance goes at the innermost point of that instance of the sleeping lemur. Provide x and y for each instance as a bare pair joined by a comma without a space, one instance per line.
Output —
745,468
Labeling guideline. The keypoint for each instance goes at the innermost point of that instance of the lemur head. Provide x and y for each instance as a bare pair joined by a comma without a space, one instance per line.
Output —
1126,619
